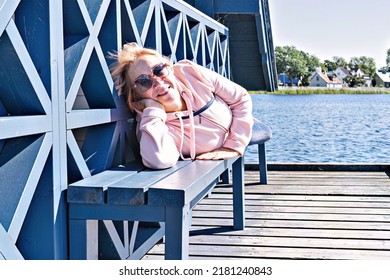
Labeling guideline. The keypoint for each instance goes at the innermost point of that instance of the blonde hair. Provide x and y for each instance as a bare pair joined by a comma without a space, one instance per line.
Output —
119,70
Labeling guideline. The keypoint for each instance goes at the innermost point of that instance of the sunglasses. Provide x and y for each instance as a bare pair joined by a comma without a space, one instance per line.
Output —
145,82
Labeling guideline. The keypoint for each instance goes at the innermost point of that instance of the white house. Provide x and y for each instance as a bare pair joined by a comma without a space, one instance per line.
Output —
341,73
382,79
359,73
320,79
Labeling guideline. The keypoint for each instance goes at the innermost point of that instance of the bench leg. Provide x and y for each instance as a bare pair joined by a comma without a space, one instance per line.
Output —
262,163
238,194
177,229
77,239
225,177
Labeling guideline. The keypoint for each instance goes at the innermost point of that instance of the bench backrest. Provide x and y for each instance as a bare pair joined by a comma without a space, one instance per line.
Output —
8,250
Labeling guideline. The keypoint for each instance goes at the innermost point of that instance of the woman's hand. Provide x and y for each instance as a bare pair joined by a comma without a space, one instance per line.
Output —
145,103
221,153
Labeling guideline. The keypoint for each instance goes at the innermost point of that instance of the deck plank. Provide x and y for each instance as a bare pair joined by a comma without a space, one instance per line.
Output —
298,215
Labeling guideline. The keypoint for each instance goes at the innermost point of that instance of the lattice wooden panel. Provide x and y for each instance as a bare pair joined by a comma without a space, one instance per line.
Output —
60,117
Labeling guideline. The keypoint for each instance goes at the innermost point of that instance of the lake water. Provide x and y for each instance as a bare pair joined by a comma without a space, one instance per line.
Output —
339,128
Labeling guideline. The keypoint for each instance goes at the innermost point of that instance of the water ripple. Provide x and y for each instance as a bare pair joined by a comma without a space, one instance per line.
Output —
325,128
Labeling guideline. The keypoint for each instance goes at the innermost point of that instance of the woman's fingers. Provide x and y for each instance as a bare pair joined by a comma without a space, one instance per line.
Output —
221,153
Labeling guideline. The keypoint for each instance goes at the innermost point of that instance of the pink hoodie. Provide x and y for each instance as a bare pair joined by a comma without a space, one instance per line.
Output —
165,137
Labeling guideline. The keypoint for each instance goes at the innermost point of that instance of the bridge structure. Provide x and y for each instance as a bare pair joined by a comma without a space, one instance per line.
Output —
57,97
250,40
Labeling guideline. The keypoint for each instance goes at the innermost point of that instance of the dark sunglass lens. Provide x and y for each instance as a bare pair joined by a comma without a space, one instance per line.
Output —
160,70
145,82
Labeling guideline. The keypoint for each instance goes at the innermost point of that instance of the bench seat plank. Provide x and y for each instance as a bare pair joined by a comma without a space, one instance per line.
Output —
92,189
182,187
132,190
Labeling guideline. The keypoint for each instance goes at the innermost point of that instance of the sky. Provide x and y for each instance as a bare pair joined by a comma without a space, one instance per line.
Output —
327,28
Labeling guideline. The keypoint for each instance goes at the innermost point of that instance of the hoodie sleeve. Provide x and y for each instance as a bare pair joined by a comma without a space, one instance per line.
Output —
158,149
240,103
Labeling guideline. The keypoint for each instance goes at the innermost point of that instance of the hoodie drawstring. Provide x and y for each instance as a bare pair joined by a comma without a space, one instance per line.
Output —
191,115
192,130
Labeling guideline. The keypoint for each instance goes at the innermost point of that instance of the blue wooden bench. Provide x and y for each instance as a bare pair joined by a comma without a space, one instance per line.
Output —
261,133
164,198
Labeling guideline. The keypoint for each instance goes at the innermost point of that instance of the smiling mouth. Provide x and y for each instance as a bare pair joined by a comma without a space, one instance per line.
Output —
163,93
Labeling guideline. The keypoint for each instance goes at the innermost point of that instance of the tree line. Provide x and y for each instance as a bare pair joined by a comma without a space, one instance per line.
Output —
299,64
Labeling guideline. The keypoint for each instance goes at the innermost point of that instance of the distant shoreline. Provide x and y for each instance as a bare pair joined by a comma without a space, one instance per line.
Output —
316,90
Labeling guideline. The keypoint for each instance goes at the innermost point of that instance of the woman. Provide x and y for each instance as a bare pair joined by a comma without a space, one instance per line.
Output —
183,110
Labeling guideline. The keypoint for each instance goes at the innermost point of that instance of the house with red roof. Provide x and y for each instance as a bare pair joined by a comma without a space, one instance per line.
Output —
323,79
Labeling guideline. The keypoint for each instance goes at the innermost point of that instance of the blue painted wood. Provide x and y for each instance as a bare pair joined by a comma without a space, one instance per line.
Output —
147,239
16,92
78,239
206,7
147,235
262,164
261,133
35,30
74,47
45,75
92,8
86,118
8,249
238,194
173,20
206,191
251,43
183,186
3,111
108,39
177,227
264,35
144,236
120,185
93,189
132,190
225,177
231,6
97,147
119,211
50,237
74,23
166,196
140,10
96,90
17,154
24,125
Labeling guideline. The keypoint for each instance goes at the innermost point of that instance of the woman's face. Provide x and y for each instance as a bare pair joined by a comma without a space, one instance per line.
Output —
151,78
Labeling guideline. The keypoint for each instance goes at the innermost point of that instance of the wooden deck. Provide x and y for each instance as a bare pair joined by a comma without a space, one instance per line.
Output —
298,215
